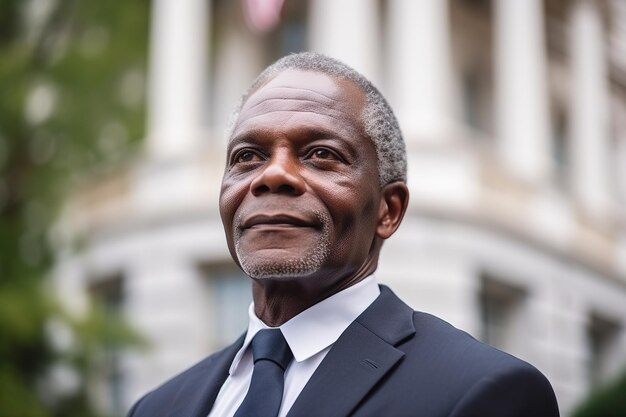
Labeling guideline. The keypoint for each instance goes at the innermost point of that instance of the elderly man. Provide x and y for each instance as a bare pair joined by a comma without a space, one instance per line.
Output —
315,181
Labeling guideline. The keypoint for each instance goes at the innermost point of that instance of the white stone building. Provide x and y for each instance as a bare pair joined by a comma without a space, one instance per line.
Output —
514,114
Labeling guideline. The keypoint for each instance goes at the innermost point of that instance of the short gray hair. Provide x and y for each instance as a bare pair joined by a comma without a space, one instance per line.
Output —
378,119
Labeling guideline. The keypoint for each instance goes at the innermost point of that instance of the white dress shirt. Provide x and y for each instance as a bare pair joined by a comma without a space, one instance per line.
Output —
310,336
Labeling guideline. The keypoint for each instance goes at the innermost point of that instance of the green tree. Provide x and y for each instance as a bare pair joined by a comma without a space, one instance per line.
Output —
608,401
71,104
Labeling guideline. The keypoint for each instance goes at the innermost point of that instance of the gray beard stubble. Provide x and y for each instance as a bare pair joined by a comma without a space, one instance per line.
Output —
289,267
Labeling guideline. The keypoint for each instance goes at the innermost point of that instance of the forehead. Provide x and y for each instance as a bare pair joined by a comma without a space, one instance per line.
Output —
295,98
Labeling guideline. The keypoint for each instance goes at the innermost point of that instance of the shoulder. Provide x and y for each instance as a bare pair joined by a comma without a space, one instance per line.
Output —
444,370
435,335
479,380
443,340
519,389
433,346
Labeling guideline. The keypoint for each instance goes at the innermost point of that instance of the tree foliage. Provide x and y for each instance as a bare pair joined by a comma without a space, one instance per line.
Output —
609,401
71,80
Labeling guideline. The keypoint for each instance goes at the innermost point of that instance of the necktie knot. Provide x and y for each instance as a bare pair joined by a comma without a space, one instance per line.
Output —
270,344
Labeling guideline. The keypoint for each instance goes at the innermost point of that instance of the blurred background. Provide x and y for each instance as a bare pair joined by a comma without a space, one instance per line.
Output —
114,272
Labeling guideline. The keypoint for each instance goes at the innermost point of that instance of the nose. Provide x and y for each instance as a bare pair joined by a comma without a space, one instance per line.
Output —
280,175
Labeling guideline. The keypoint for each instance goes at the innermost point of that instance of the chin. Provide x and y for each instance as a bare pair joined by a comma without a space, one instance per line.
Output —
283,263
280,265
288,268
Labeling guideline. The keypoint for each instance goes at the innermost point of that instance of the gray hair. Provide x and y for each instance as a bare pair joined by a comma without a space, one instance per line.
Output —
379,122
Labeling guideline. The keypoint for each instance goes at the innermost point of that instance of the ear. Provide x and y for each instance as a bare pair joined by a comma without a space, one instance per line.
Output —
393,203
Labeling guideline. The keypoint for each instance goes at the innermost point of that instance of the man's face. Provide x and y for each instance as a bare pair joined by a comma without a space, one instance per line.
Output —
300,195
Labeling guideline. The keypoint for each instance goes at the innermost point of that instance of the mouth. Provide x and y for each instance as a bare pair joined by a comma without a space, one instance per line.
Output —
258,221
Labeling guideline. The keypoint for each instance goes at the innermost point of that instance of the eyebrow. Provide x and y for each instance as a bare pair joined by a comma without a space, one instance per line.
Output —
245,137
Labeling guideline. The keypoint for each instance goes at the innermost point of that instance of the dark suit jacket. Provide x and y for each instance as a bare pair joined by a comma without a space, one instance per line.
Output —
391,361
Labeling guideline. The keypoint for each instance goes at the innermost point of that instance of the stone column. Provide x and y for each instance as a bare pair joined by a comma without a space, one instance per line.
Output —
419,65
167,301
589,122
347,30
177,91
238,60
619,158
521,96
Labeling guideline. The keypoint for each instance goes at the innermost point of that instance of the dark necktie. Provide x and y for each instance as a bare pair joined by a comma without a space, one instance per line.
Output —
271,355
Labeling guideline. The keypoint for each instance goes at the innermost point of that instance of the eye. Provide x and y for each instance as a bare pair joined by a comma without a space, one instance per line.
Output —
323,153
245,155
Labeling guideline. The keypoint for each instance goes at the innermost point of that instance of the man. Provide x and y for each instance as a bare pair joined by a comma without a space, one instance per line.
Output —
315,181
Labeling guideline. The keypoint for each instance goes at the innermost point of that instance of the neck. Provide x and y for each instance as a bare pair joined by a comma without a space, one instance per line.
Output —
278,300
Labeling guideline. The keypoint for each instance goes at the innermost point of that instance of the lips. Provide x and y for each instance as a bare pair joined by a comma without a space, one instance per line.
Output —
277,220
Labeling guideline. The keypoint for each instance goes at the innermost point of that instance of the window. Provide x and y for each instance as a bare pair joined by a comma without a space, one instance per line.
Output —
107,294
617,142
502,308
476,5
471,31
229,298
602,337
291,33
471,96
560,147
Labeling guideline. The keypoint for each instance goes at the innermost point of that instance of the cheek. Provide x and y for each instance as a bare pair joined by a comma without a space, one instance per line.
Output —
355,216
231,196
352,201
355,231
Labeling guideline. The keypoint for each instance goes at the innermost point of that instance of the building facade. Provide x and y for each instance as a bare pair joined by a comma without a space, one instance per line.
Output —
514,114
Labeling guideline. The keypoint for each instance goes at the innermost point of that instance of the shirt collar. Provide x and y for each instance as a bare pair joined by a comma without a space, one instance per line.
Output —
319,326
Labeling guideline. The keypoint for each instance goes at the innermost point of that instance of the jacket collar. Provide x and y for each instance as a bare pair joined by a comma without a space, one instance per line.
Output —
363,354
197,395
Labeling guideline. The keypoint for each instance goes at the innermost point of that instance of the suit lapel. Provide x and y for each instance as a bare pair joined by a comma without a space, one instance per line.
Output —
363,354
196,397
